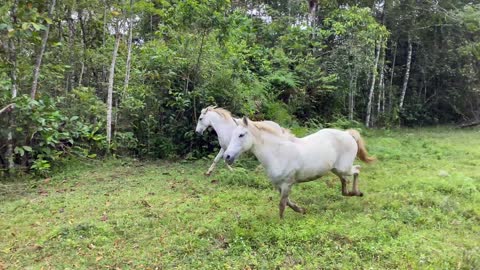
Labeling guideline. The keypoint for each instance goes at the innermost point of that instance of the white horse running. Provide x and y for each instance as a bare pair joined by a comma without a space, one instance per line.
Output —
291,160
223,123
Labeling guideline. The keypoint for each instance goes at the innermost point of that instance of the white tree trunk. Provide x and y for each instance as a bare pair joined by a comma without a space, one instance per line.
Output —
407,73
13,77
392,73
372,87
351,94
11,120
381,85
129,50
84,47
71,44
104,36
36,70
110,87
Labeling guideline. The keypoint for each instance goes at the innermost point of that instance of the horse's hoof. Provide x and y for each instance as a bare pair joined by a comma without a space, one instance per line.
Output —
360,194
303,211
207,173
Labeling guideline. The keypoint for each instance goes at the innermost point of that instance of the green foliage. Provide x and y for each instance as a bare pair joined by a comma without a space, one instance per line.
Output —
43,134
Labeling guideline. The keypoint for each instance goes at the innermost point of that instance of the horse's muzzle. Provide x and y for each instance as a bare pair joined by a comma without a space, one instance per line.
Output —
229,159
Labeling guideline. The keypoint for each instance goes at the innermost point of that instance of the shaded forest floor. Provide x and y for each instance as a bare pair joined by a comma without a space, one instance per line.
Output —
421,209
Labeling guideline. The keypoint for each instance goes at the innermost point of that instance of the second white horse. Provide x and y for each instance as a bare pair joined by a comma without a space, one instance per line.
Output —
223,123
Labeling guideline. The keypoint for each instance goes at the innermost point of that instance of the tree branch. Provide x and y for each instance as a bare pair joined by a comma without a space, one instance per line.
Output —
7,108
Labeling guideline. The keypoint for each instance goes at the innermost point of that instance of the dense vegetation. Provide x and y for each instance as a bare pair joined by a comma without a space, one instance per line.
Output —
420,211
83,77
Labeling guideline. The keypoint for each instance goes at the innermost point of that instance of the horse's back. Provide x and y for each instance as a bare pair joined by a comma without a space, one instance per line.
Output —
332,146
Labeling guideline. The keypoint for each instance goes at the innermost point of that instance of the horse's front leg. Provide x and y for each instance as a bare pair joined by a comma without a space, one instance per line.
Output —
284,189
217,158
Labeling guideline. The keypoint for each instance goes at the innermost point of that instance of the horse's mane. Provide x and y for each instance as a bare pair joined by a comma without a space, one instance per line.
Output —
223,113
260,125
283,132
220,111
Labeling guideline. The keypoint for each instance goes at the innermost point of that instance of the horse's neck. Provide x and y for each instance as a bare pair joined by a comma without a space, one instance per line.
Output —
223,127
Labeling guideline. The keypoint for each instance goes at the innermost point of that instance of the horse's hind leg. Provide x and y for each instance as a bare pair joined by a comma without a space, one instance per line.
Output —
356,172
344,186
295,207
343,174
343,179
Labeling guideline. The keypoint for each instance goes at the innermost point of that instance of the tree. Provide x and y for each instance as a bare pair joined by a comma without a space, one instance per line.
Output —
372,87
38,63
407,73
110,82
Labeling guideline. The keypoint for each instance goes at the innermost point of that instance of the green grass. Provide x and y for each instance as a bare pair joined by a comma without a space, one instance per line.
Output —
421,210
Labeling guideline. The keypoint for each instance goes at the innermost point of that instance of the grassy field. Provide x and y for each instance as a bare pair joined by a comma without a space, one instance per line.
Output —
421,210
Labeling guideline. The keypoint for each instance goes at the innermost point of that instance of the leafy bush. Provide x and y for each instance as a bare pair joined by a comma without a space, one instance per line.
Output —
43,134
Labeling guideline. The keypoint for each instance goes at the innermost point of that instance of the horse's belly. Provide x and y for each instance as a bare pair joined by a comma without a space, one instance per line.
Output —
311,173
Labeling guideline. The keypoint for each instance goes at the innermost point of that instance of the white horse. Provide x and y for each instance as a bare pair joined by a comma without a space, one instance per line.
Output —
223,123
290,160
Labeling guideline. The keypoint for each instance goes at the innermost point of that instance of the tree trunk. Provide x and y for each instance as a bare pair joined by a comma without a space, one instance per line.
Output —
11,119
84,46
36,70
110,86
351,94
13,76
7,108
71,44
372,87
381,85
104,38
392,73
196,71
407,73
129,50
313,8
381,82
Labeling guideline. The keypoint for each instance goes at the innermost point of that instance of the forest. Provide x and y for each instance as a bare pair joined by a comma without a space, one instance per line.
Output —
129,78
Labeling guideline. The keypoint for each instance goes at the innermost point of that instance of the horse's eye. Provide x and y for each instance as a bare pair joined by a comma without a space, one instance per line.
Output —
200,118
241,135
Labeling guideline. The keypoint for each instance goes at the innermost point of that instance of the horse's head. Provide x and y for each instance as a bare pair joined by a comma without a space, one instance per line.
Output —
204,120
241,141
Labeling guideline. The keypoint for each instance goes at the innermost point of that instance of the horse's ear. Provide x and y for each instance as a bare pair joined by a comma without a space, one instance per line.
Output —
234,120
245,120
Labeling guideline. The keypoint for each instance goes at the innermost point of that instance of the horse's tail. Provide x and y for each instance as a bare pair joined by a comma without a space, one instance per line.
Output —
362,153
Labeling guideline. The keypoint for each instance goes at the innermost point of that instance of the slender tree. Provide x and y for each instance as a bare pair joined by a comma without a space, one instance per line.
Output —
381,84
84,46
110,83
313,8
38,63
372,86
13,78
392,73
129,50
407,73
